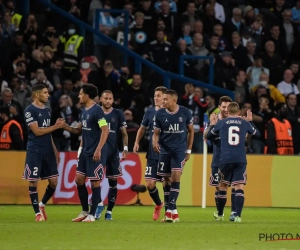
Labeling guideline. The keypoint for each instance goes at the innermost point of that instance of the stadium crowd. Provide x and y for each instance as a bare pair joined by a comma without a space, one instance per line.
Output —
255,45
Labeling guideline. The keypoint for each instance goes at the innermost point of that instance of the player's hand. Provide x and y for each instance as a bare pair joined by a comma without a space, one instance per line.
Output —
213,119
136,148
249,116
124,155
187,157
59,120
97,155
156,148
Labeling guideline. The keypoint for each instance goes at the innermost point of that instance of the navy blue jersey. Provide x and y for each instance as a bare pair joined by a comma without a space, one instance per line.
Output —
41,116
147,122
115,120
216,149
91,131
233,132
173,129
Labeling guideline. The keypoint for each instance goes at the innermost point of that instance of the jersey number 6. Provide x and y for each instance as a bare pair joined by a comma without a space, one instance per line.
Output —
233,137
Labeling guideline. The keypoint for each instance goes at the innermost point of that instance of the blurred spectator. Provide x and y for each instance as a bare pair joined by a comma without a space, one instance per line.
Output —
294,119
186,33
3,84
131,128
66,89
235,23
11,137
167,16
239,52
273,62
159,5
121,19
106,23
72,8
219,10
63,140
289,30
54,73
72,50
188,64
7,28
21,92
190,15
194,101
226,71
223,41
249,15
241,92
160,51
296,13
279,9
212,107
279,138
15,108
273,91
133,90
198,49
148,10
286,86
141,34
209,19
247,36
40,77
254,72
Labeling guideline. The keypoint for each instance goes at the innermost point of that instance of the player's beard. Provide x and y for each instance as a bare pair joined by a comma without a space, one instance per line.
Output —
107,106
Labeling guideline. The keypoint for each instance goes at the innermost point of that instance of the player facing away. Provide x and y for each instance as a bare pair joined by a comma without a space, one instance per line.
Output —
116,122
233,131
41,156
214,176
173,139
151,176
93,151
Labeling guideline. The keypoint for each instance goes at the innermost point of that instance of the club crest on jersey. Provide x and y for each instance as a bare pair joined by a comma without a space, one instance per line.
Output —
27,114
180,119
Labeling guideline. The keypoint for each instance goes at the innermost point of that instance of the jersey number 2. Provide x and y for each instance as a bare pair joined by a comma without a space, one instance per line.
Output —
35,171
233,137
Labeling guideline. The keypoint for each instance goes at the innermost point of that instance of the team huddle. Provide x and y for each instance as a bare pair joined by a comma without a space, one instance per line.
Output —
172,134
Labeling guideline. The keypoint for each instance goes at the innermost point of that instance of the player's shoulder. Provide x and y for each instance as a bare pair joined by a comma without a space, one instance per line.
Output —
150,111
160,111
97,108
183,109
47,108
118,112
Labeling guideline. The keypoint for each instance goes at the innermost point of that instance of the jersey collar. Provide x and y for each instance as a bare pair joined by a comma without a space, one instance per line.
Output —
108,111
173,113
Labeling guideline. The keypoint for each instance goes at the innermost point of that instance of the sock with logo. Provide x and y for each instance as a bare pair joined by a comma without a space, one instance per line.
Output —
167,189
222,198
83,197
216,199
174,192
34,199
96,192
112,197
239,201
155,196
233,207
48,194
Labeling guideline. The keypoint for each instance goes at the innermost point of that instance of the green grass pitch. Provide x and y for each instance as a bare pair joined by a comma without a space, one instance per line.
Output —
134,229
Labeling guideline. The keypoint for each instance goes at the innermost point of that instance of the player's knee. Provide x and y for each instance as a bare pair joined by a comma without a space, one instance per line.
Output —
112,183
32,183
79,180
150,185
53,183
175,176
95,184
217,188
223,187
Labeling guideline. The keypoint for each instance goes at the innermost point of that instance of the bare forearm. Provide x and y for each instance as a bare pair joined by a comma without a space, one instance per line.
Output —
190,139
73,130
44,131
103,138
140,135
125,139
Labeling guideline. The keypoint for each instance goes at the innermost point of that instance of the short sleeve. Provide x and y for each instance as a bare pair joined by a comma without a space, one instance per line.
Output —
145,121
250,129
122,122
156,121
30,117
189,118
99,117
215,130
